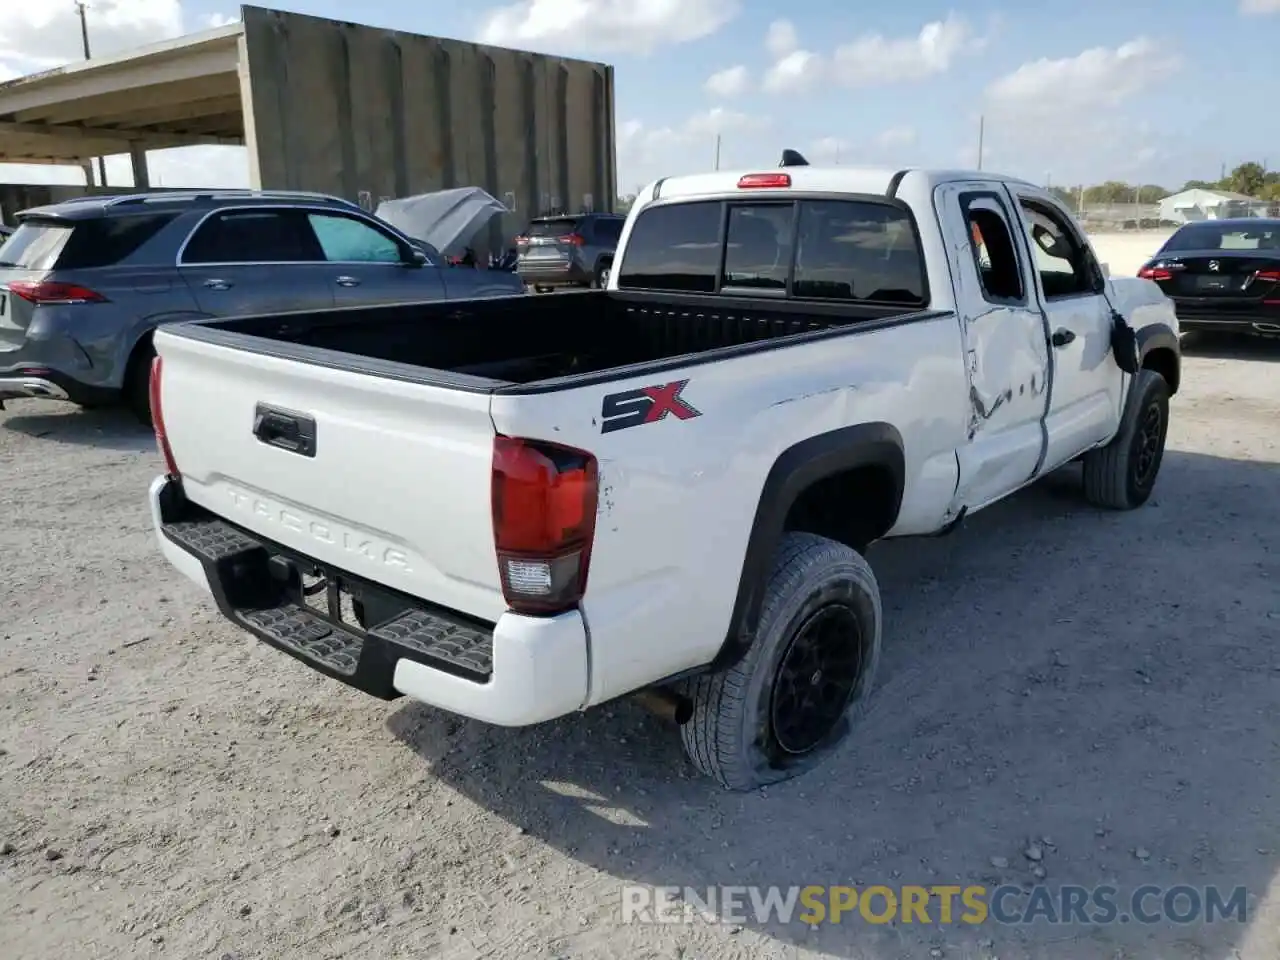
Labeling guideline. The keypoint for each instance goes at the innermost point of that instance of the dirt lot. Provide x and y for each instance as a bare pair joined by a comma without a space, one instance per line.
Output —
170,788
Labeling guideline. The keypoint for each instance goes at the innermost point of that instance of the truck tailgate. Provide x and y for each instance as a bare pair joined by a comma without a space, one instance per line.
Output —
393,484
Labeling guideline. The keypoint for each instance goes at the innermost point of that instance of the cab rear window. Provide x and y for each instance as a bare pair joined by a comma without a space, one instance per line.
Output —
814,249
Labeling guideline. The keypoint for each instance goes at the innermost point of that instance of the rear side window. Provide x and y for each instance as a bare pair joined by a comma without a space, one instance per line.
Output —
254,236
552,228
35,245
106,241
673,247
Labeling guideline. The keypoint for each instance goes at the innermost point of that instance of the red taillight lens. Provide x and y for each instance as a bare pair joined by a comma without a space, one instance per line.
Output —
573,239
1271,275
157,420
755,181
43,291
544,522
1155,273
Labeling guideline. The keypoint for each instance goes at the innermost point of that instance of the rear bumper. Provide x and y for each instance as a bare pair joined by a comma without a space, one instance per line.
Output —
555,273
44,383
1262,319
519,671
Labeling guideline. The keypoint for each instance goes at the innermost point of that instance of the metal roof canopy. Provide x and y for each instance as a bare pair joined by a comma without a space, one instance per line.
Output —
183,92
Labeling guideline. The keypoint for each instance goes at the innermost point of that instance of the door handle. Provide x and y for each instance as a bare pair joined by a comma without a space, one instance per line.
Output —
215,284
347,282
1062,336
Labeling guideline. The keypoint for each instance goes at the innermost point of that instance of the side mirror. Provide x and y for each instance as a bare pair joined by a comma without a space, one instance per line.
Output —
416,258
1106,270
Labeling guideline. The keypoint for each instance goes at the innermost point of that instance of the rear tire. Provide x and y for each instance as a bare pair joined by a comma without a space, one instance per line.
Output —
601,278
795,694
1121,475
136,391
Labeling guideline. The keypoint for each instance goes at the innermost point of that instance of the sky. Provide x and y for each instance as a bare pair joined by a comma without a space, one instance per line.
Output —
1070,93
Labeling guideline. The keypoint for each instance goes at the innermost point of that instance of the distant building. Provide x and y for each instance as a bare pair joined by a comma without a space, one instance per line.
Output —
1198,204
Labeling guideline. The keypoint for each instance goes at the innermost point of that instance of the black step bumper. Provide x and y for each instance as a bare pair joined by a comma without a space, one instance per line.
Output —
259,585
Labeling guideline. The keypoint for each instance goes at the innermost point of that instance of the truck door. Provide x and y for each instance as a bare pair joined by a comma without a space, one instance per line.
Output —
1005,341
1086,388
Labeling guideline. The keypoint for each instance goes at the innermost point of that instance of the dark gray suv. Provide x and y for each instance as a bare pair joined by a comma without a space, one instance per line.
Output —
568,250
84,283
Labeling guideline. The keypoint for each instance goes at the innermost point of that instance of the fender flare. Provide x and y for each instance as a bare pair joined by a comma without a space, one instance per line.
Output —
795,470
1160,336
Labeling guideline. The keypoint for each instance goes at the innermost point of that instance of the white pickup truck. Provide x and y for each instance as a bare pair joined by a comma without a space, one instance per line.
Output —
519,508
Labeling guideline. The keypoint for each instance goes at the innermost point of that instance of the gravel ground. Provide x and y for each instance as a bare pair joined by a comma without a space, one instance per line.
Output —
169,787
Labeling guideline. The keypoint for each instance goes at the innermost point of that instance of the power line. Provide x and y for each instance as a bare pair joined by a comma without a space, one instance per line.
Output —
82,10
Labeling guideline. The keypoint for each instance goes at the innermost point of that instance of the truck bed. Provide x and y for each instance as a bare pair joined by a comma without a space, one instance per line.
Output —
528,339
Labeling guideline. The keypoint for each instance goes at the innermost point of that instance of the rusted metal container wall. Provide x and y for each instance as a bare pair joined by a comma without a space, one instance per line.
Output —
370,114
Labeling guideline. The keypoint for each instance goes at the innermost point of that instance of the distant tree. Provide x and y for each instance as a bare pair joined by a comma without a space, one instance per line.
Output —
1248,178
623,204
1202,185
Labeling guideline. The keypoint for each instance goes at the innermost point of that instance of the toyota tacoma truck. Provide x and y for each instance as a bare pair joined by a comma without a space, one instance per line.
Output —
519,508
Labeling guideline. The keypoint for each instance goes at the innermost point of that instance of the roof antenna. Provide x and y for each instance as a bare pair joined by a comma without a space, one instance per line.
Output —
792,158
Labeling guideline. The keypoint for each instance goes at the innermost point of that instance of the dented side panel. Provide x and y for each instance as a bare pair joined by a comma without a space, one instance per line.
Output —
1007,354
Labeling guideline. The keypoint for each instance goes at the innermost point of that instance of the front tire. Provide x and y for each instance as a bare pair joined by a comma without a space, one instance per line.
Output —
1121,475
795,694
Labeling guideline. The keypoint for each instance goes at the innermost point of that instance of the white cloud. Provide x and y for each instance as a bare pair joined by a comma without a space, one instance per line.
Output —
869,60
613,26
1259,7
781,39
730,82
212,20
1095,79
796,72
793,69
1068,115
37,37
646,153
876,60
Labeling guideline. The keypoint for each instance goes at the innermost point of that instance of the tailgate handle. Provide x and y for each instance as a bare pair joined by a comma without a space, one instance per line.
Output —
295,432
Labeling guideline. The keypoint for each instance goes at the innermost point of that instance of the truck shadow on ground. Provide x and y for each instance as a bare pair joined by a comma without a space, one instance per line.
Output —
108,428
1228,346
1050,670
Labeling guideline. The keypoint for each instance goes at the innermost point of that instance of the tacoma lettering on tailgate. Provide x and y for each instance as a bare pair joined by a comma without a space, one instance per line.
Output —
351,542
631,408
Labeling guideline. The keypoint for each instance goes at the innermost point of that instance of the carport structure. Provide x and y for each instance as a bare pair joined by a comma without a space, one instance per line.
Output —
334,107
184,92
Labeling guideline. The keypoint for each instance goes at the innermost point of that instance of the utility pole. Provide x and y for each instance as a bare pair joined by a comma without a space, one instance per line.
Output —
982,122
81,8
717,151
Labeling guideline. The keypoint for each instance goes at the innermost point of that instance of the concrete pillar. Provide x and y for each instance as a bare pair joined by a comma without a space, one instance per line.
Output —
141,175
249,115
87,167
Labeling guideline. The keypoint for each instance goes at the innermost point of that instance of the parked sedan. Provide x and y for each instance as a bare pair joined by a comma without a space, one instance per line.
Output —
1222,275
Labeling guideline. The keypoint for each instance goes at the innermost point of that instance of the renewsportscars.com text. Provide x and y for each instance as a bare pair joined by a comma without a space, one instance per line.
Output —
935,904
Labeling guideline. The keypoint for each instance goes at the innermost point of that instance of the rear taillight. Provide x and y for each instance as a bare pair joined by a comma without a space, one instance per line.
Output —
521,241
45,291
573,239
755,181
1269,275
1155,273
157,420
544,521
